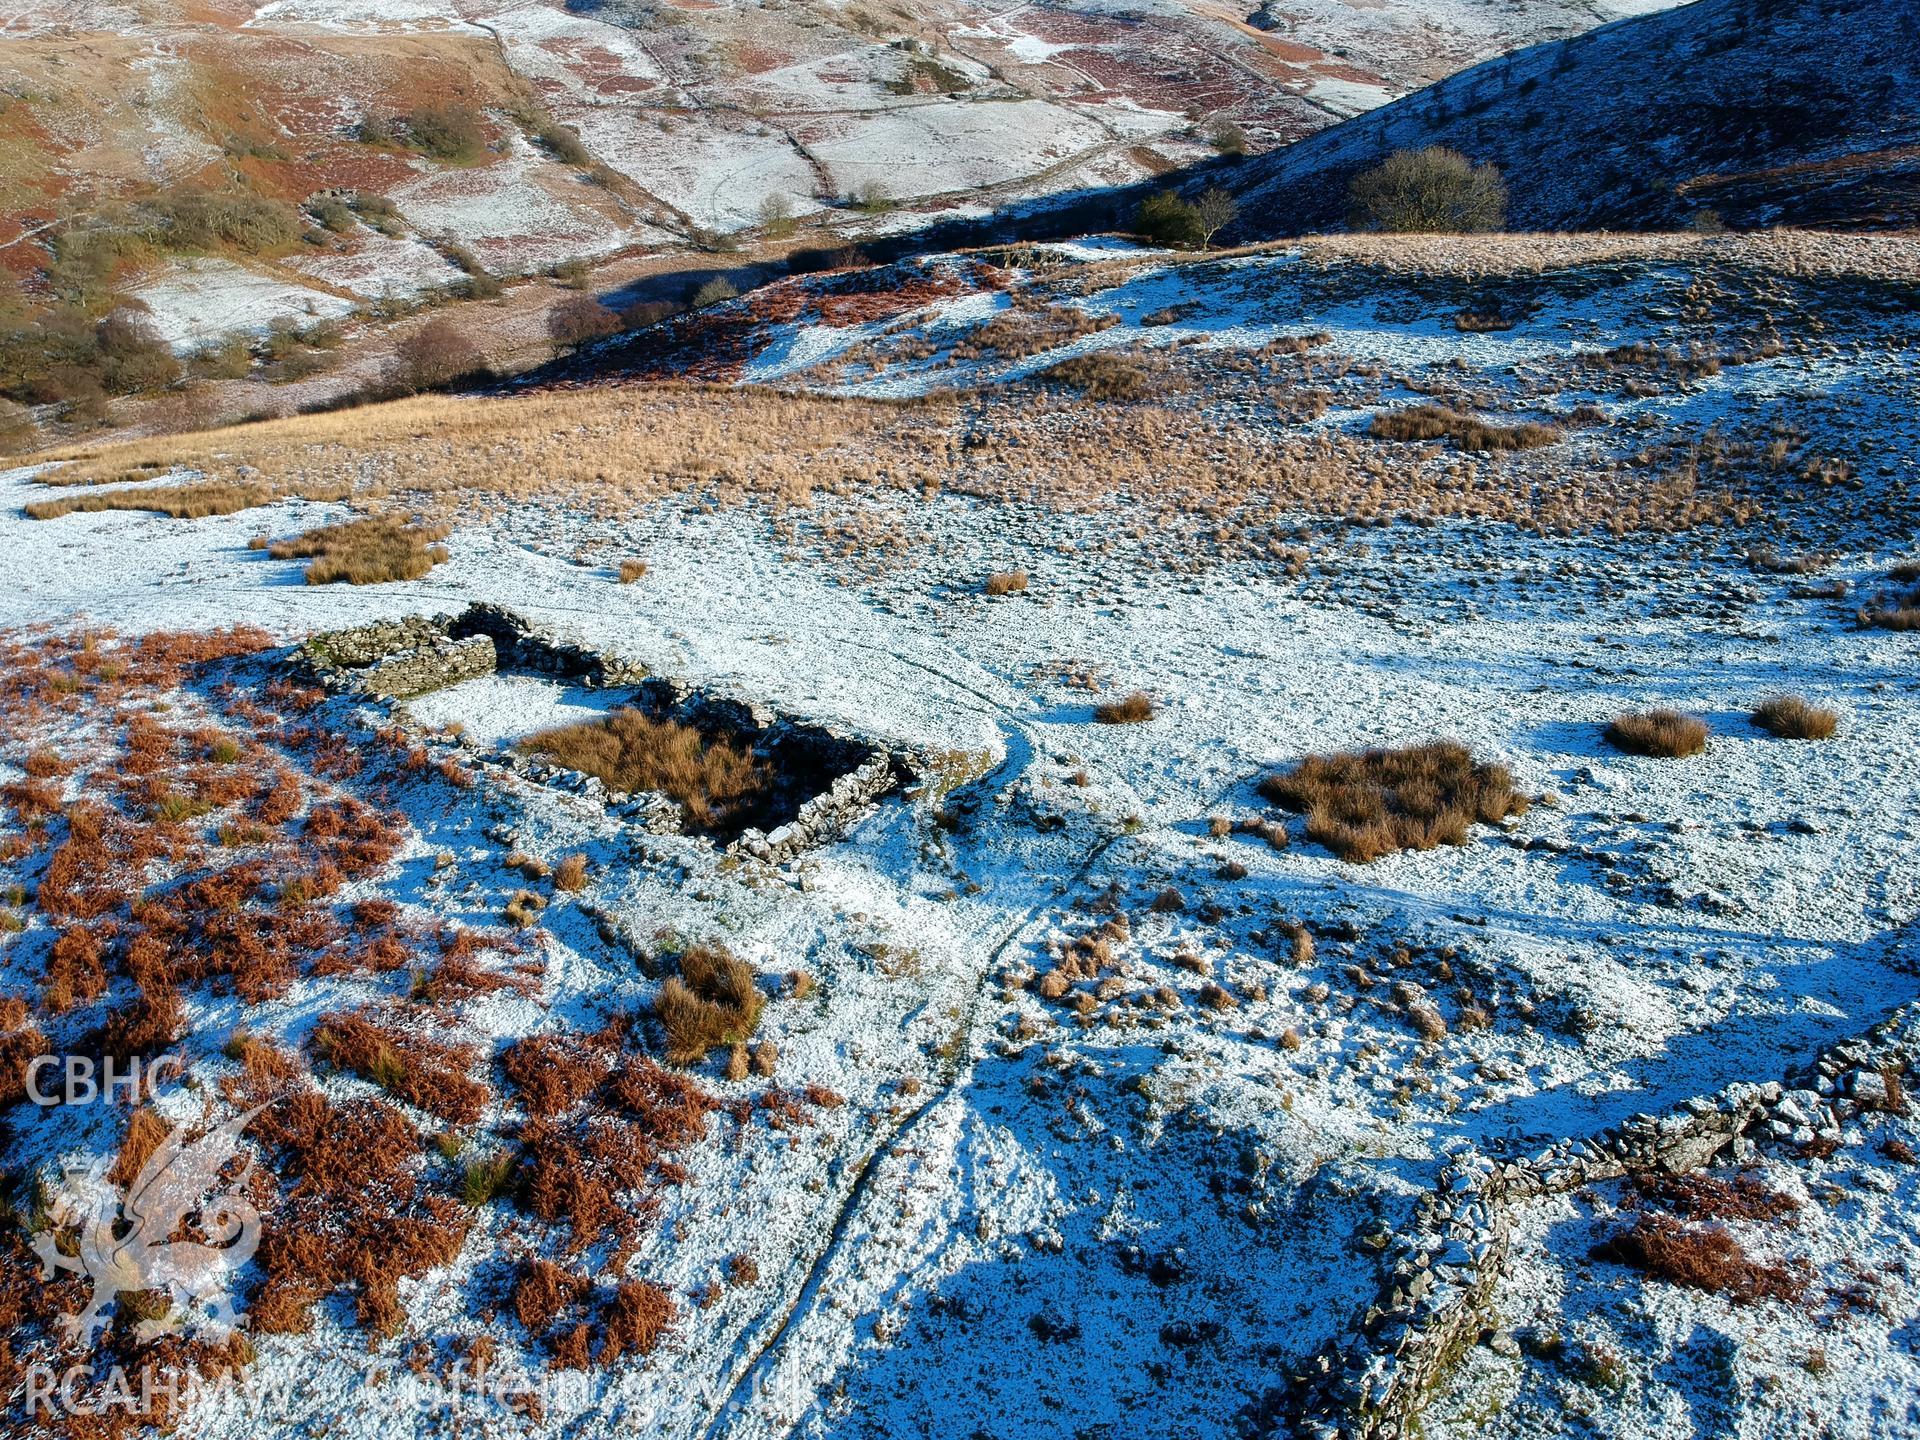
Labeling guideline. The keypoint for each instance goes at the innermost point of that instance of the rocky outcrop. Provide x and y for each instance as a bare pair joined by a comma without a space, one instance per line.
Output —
1437,1280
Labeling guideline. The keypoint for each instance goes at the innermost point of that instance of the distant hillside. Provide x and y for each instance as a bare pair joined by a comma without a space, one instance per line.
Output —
1790,112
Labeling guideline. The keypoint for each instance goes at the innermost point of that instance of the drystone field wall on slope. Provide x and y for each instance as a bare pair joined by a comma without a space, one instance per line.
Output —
1438,1279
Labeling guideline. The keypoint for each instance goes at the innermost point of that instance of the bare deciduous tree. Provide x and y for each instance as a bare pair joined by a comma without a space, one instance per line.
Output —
1214,210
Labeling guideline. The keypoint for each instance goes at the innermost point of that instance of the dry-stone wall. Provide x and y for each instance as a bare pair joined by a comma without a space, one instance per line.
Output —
1437,1280
835,775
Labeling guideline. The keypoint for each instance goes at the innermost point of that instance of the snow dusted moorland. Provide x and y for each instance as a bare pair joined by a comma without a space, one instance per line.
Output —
1090,1092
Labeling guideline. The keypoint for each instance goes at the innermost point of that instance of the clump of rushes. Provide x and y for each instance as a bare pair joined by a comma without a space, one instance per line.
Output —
1365,804
486,1178
632,570
371,551
1667,734
717,781
195,501
1127,710
1792,718
1006,582
712,1002
523,910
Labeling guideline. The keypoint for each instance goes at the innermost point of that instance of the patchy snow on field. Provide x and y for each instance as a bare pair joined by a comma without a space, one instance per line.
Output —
359,15
937,149
587,59
1131,1222
380,265
1347,97
1644,1357
197,300
519,213
501,709
718,170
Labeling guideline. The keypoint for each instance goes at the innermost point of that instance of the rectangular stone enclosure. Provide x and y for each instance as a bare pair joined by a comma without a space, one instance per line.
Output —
823,778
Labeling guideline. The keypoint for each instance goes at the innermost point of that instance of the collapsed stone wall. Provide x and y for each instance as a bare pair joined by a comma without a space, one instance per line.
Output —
1437,1280
519,647
398,660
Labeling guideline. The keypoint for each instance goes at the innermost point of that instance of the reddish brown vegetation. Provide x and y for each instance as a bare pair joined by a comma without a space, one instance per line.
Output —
630,1321
1702,1259
604,1121
429,1074
19,1045
356,1214
635,1318
1707,1197
554,1073
543,1291
202,855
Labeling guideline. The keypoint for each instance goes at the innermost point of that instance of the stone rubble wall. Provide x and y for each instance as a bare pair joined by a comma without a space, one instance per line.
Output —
826,815
1437,1281
337,652
520,646
432,666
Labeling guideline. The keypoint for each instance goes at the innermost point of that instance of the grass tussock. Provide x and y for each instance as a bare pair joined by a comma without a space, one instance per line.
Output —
1792,718
1006,582
370,551
182,502
1899,610
1665,734
487,1178
711,1003
717,781
1129,709
632,570
1366,804
1437,422
1104,375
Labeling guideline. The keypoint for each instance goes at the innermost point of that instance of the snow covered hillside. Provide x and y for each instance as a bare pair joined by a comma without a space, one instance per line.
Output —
1105,1064
1764,112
